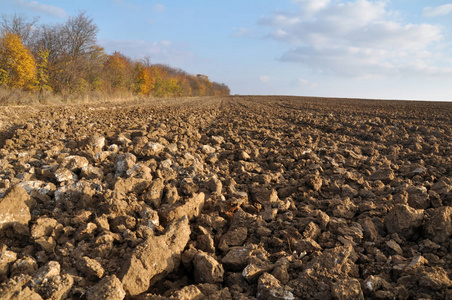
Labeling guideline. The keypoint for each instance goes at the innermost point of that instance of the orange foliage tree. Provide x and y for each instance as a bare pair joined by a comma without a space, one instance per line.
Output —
161,81
17,65
200,85
116,68
184,85
144,82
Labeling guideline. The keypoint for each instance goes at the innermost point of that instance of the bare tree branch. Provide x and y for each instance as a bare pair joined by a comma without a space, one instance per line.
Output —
19,25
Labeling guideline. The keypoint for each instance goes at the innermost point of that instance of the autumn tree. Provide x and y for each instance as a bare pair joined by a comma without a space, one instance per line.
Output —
49,39
158,76
70,46
143,81
42,72
80,36
184,85
166,81
17,65
206,84
116,70
197,86
220,89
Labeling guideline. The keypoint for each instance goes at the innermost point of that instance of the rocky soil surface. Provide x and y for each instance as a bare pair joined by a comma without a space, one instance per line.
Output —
227,198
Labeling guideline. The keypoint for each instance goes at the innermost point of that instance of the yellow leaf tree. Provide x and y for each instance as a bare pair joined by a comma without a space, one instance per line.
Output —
143,82
42,75
116,68
17,65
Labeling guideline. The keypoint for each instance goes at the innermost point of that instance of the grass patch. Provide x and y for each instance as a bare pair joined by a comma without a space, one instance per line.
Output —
20,97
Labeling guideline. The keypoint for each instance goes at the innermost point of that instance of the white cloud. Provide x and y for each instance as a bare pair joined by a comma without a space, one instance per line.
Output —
160,52
345,61
437,11
315,6
42,8
355,38
265,78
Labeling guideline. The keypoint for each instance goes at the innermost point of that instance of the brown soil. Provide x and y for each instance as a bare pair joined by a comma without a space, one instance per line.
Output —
227,198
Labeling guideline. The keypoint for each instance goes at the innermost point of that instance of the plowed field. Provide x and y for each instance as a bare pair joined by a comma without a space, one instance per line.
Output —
240,197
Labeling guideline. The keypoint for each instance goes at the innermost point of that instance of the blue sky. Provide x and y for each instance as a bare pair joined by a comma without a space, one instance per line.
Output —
388,49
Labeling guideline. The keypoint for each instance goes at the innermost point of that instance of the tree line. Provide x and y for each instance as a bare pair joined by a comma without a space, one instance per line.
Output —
66,59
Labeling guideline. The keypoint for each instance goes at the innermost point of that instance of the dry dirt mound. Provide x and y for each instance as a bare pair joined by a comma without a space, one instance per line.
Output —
228,198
